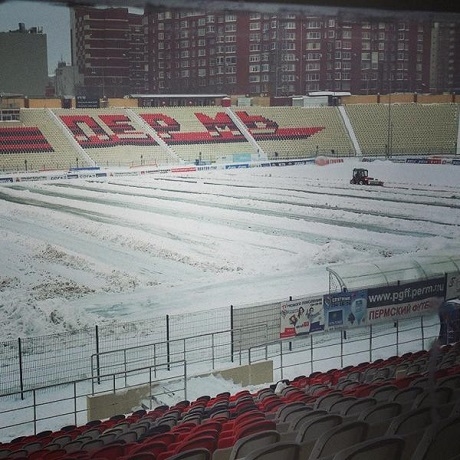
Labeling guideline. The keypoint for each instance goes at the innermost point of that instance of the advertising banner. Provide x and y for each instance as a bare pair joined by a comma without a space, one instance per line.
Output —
84,102
406,300
301,316
453,286
345,309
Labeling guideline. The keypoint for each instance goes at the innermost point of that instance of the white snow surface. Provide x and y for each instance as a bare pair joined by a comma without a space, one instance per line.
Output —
82,252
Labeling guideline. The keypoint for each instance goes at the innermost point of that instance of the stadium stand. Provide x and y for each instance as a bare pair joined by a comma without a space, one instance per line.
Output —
313,417
197,133
117,137
112,138
296,132
410,128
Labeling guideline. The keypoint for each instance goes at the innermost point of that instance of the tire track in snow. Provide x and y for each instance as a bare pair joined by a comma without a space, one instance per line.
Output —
350,223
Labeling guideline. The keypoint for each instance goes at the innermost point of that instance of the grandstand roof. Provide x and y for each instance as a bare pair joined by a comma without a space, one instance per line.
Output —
329,93
390,271
176,96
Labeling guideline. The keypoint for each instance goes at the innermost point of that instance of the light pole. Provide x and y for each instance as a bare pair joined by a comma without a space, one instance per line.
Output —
390,124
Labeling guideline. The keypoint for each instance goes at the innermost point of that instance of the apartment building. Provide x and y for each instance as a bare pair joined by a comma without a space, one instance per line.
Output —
244,53
108,51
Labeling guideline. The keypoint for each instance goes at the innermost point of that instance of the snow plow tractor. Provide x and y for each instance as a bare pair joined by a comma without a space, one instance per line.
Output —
361,177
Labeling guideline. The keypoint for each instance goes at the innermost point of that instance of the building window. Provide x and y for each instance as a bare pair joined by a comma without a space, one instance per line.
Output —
313,35
313,56
313,66
288,67
313,46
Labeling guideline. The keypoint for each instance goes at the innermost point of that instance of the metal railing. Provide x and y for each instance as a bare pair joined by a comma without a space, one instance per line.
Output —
210,348
53,406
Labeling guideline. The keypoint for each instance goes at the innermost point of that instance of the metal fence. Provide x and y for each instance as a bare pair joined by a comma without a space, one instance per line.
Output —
53,406
212,335
33,362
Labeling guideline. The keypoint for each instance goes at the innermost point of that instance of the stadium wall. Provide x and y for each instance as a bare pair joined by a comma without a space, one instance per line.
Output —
258,101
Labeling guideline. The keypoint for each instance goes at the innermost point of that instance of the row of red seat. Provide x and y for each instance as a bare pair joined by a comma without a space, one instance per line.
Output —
219,422
23,147
23,139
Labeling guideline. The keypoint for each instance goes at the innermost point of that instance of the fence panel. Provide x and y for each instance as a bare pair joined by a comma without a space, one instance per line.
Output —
209,336
10,378
254,316
134,333
199,323
53,358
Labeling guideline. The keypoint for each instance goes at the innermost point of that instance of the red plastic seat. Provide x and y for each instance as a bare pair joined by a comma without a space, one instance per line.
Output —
206,442
240,432
108,452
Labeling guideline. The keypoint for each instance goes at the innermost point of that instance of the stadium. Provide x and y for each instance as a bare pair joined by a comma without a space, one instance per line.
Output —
204,282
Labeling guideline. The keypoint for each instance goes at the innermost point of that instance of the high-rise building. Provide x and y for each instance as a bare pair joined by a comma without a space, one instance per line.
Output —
105,49
239,52
23,61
